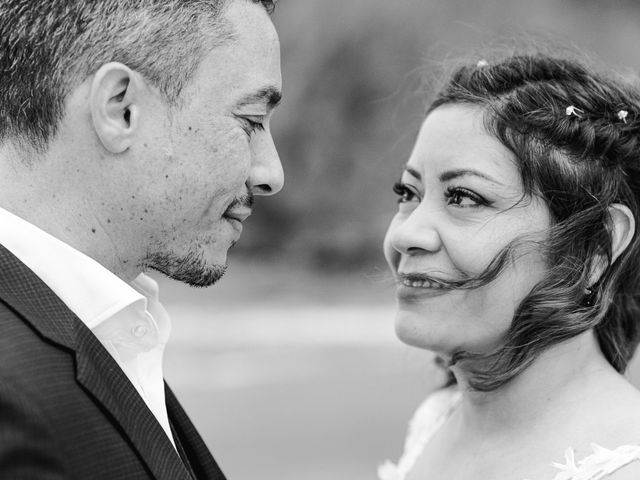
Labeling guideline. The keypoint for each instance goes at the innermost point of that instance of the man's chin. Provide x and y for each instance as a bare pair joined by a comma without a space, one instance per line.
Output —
190,269
203,278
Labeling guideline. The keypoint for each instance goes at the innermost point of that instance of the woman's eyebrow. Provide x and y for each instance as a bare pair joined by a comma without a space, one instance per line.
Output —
413,172
451,174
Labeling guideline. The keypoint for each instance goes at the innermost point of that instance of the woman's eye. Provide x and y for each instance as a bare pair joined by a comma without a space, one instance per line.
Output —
404,193
461,197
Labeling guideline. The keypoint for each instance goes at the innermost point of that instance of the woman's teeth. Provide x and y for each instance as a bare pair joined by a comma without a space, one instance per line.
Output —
407,282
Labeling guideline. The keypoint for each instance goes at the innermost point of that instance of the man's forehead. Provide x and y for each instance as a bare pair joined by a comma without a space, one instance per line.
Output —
245,70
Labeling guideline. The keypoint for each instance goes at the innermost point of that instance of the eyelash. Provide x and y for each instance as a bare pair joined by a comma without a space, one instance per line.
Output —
403,192
249,126
451,193
460,192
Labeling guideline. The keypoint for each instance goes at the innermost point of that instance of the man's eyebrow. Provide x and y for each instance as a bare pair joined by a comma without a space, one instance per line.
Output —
269,95
451,174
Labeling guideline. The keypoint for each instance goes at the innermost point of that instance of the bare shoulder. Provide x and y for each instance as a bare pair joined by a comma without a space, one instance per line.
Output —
620,410
631,471
608,416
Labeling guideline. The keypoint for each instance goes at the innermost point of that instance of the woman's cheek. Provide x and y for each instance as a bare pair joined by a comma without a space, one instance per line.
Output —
391,254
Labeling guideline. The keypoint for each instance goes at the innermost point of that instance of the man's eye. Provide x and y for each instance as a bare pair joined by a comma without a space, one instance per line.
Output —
404,193
251,124
463,198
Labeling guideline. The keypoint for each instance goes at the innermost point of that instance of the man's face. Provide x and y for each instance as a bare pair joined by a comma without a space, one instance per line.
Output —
206,160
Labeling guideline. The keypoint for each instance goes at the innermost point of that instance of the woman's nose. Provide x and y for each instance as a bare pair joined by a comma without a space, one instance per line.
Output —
415,234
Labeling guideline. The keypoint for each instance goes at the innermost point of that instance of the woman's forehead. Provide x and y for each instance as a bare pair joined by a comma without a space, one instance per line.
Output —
453,138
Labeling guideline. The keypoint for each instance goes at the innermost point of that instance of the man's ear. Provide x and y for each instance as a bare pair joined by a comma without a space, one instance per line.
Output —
622,227
115,95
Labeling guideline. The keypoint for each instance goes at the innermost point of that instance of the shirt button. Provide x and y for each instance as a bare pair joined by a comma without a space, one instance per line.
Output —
139,331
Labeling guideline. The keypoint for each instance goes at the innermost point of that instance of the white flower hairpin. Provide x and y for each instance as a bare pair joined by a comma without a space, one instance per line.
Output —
482,63
573,110
622,115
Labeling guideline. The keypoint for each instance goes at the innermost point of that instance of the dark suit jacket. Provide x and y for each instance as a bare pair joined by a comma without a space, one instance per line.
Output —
67,411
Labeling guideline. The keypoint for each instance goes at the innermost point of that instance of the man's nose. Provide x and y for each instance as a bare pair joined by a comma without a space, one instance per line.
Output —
266,176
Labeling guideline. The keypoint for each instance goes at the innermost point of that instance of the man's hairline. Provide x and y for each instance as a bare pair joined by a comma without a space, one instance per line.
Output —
219,36
213,36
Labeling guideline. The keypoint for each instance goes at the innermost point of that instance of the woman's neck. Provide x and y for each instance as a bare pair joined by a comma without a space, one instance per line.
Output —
564,375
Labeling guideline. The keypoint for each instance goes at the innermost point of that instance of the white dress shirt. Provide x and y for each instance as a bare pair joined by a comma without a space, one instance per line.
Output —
126,318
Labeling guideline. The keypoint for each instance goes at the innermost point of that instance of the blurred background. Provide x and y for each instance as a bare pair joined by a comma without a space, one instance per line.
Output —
290,367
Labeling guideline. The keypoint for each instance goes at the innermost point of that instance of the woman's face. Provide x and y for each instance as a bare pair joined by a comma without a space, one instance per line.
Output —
461,201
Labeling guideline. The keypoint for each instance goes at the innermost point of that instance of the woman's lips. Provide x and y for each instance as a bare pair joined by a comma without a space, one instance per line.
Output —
421,286
422,283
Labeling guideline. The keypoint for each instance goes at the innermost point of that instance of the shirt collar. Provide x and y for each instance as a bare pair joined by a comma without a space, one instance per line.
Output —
90,290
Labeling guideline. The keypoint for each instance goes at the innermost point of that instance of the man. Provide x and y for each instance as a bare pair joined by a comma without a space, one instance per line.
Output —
133,136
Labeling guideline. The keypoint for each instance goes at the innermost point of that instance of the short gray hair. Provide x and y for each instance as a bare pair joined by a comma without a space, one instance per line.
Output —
48,48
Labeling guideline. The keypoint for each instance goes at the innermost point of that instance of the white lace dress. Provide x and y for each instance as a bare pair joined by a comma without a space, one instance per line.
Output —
435,410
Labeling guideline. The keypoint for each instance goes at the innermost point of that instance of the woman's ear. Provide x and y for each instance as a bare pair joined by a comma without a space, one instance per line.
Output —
114,98
622,227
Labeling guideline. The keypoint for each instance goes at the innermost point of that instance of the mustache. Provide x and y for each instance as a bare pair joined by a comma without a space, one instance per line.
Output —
246,201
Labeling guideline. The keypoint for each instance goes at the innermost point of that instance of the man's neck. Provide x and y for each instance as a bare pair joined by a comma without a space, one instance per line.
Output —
38,192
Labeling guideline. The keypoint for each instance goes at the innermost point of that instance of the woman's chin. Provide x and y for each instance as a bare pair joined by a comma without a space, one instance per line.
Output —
419,332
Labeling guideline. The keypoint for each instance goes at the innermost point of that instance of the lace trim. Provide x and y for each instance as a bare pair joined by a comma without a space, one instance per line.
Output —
438,407
598,465
429,417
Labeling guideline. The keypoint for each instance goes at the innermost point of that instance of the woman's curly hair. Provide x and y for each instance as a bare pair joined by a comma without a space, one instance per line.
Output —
575,134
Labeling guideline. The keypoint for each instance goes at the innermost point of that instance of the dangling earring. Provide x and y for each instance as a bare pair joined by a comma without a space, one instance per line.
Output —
589,297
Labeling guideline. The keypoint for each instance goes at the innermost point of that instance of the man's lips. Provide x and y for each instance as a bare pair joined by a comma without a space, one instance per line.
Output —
240,209
238,213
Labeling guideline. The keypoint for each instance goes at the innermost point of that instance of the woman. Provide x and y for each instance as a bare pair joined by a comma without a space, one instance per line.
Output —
517,259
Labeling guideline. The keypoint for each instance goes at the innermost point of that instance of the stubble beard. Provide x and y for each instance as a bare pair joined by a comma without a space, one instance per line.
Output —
191,268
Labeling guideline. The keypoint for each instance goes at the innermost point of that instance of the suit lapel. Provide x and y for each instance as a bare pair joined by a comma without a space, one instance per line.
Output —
198,454
96,370
100,375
